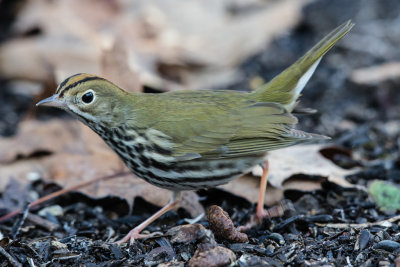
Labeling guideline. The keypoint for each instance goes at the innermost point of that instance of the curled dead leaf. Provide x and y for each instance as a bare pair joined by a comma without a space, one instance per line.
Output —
297,162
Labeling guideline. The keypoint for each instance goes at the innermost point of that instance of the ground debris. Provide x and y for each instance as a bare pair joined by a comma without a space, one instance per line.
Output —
222,225
211,255
190,233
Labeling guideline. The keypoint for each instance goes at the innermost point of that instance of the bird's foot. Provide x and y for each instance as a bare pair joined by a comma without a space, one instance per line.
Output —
135,234
255,220
261,214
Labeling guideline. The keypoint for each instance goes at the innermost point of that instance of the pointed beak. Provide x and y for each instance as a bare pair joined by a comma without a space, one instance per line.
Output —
53,101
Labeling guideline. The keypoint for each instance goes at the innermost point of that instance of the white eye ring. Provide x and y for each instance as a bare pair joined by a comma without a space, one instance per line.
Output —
88,97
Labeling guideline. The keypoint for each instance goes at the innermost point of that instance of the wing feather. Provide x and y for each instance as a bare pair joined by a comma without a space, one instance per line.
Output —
210,125
251,130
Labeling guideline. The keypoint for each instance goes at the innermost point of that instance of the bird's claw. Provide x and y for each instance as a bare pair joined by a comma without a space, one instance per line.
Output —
135,234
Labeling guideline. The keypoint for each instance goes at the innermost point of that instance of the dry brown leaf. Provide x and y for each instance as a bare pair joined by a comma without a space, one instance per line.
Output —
36,136
77,155
37,59
300,159
285,163
248,187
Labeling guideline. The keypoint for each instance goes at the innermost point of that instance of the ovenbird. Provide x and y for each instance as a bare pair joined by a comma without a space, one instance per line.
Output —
188,140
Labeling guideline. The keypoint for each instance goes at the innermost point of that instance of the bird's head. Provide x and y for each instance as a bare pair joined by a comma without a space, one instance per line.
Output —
91,98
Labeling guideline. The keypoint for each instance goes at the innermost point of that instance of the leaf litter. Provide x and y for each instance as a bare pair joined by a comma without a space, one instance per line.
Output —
330,219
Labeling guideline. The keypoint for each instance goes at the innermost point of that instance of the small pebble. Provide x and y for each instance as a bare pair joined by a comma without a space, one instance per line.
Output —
33,176
292,237
384,264
361,220
54,210
209,255
190,233
251,260
159,255
270,249
363,239
329,254
387,245
58,245
322,218
361,257
172,264
250,248
116,251
278,238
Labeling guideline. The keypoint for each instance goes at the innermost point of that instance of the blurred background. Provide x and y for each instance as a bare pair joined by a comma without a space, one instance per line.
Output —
159,45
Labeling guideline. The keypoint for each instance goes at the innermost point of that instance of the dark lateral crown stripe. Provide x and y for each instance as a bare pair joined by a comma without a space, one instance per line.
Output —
74,81
61,86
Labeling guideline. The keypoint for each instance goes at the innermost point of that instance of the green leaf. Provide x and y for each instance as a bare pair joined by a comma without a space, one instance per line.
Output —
386,195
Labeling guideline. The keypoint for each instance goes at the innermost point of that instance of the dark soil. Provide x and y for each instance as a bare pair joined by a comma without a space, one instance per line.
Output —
82,232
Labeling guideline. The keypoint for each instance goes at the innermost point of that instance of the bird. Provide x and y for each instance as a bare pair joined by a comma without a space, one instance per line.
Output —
195,139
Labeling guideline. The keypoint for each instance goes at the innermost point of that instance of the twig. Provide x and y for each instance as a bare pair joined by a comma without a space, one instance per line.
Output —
384,223
63,191
31,263
37,220
18,224
10,259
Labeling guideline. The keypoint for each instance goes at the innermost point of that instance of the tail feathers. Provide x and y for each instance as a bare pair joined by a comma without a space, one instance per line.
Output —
302,136
287,86
304,111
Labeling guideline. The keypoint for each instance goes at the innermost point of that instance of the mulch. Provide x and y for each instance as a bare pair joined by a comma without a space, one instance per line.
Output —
333,226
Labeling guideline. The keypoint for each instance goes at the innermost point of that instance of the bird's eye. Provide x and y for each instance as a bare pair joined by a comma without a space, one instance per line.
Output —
88,97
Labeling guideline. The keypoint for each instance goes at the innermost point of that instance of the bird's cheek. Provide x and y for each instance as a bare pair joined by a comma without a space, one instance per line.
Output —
107,120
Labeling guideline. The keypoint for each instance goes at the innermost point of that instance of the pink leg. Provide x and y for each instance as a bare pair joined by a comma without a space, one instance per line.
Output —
261,213
135,232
